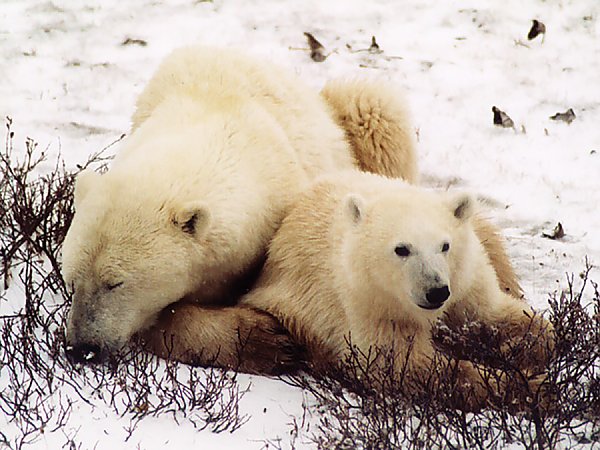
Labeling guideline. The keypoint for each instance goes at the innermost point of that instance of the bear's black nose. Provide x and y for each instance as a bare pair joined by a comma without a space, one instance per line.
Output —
84,353
437,296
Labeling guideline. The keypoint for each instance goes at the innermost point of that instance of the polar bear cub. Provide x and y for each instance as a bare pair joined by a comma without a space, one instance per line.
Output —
379,261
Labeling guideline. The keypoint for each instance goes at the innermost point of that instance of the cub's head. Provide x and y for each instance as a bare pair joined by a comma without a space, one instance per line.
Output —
126,256
405,246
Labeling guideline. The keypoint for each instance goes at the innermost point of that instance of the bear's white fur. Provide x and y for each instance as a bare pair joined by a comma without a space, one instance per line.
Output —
377,261
377,126
221,144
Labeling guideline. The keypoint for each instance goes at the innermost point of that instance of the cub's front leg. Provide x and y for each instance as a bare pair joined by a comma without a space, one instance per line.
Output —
471,387
523,337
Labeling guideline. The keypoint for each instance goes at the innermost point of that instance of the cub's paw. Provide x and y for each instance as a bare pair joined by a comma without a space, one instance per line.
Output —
533,395
531,346
543,395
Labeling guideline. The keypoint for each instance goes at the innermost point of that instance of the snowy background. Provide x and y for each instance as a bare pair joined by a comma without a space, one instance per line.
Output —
70,71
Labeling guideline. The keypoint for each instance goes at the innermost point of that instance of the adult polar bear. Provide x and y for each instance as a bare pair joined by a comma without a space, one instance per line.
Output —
220,146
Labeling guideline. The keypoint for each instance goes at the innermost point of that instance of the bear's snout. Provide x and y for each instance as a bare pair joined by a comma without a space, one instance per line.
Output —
84,353
437,296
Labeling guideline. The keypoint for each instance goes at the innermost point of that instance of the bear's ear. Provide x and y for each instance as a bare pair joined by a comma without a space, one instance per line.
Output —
462,206
83,184
354,207
192,218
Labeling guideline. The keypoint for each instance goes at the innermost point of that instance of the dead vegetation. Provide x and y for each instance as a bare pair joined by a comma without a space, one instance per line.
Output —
536,29
350,414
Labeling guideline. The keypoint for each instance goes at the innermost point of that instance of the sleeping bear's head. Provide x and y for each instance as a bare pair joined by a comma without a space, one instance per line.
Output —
127,255
407,245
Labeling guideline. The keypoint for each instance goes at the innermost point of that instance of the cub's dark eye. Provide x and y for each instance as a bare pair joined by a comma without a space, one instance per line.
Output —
445,247
113,286
402,250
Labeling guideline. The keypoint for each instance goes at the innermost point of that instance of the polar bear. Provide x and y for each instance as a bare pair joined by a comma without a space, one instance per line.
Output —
377,261
220,145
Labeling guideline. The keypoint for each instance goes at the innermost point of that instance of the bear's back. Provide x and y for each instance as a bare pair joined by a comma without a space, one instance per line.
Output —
222,76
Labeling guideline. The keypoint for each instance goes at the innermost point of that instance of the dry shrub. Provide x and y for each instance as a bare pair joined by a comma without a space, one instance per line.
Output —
38,386
360,407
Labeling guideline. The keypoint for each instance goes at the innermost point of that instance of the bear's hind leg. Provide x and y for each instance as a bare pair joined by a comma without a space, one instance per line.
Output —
375,120
493,243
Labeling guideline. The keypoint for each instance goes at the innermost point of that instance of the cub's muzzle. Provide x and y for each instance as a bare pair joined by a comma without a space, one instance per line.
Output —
436,297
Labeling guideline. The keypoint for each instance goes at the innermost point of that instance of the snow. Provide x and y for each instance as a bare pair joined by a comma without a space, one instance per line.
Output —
69,84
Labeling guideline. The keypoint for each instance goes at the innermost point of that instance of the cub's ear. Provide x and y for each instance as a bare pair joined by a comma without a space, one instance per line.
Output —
84,183
462,206
354,207
192,218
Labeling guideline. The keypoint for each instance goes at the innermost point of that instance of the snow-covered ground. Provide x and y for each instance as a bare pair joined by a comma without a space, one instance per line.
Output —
68,82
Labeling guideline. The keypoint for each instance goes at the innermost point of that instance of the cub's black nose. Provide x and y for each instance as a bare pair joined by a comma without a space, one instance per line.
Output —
437,296
84,353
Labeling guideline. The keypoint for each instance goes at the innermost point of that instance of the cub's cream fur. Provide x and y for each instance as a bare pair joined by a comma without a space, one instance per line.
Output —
377,261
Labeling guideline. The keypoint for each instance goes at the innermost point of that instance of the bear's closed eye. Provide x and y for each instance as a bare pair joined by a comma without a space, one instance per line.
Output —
113,286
